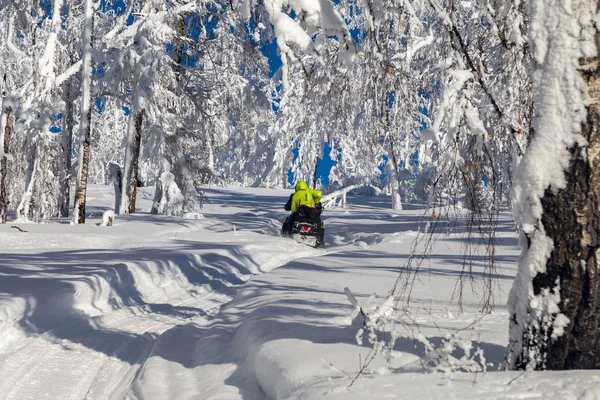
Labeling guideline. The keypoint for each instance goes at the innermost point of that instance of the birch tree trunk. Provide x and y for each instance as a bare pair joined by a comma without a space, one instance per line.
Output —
572,219
25,210
85,124
7,124
555,301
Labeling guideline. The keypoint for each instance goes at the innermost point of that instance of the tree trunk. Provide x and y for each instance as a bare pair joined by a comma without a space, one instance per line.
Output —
314,177
179,45
25,210
85,125
394,181
158,203
135,161
66,152
396,197
572,219
555,307
131,168
8,127
84,164
116,175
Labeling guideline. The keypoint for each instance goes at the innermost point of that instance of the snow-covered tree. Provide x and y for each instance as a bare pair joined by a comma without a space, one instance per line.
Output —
6,128
33,76
85,118
554,303
221,83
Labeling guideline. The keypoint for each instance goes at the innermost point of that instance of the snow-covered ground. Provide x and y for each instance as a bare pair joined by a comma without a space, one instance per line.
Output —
218,306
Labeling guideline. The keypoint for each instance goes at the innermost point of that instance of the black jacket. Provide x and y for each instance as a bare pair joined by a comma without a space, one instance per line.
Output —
288,205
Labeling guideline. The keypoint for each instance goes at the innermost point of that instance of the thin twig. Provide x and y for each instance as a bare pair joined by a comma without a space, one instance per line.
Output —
516,377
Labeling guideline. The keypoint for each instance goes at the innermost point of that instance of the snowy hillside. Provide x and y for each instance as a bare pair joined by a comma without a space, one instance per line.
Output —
218,306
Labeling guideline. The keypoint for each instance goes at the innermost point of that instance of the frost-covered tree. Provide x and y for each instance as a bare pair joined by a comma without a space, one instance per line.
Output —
85,118
310,35
6,128
221,84
391,83
33,75
554,302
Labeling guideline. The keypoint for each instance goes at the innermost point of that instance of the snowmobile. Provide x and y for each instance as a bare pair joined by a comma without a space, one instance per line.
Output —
307,227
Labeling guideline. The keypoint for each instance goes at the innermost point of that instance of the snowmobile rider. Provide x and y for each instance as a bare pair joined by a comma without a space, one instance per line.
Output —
303,196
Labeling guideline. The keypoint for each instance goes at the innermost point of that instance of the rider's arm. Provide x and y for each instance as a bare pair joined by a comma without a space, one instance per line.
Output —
316,195
288,205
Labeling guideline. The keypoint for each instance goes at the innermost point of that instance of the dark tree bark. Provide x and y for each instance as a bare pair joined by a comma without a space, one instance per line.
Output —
135,161
179,44
572,219
116,175
4,165
66,151
314,177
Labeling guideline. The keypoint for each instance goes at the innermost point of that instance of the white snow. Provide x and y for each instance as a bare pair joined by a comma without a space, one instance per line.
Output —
163,307
560,97
108,218
318,18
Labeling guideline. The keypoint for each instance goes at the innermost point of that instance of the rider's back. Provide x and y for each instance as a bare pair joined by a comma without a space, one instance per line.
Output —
305,196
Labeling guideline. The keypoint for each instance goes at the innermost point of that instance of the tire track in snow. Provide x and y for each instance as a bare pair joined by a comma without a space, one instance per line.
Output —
47,367
180,336
180,339
50,368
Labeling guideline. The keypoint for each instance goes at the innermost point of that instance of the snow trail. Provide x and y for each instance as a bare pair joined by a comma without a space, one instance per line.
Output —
220,358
